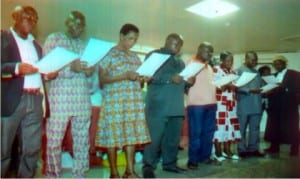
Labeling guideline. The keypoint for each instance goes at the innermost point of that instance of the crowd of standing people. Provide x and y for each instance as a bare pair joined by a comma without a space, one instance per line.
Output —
217,116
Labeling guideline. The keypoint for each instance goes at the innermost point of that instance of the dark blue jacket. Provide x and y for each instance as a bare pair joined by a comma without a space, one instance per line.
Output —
163,97
12,84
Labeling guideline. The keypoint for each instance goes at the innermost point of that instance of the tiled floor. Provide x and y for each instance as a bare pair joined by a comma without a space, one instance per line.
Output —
282,166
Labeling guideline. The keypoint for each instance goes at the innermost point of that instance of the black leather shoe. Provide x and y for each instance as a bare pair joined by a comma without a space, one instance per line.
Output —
180,148
213,162
148,172
174,169
272,150
243,154
192,166
256,154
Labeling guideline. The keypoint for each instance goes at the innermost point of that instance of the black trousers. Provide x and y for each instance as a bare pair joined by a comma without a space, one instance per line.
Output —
165,135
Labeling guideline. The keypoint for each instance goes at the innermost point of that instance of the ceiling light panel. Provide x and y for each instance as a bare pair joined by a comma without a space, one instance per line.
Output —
213,8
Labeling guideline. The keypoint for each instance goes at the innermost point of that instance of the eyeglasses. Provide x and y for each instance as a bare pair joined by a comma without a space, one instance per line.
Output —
76,23
30,18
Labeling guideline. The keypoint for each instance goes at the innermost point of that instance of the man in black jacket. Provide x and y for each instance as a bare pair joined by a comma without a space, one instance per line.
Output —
283,117
165,110
21,96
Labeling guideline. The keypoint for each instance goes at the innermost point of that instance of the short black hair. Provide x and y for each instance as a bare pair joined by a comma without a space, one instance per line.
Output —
251,52
175,36
206,44
126,28
77,15
224,55
264,68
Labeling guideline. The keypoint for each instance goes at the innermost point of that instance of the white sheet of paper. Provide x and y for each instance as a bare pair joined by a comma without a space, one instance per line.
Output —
268,87
191,70
33,81
245,78
95,50
270,79
225,80
151,65
56,59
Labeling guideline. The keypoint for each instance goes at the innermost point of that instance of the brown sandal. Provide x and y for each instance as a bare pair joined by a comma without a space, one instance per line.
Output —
114,176
130,175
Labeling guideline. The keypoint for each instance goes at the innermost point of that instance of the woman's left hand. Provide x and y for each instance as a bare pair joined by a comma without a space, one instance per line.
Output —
143,79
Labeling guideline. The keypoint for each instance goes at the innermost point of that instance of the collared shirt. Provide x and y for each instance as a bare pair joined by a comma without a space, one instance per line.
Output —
28,55
281,75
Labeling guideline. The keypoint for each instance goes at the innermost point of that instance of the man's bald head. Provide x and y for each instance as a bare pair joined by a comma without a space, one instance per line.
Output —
19,11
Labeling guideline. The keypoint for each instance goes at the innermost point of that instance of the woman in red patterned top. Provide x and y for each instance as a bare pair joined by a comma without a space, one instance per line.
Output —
227,126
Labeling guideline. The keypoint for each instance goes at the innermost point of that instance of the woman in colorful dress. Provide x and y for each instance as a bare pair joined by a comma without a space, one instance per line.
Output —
122,124
227,126
69,101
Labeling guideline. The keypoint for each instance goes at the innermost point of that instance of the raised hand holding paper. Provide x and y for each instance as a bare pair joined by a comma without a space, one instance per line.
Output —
191,70
151,64
56,59
95,50
272,82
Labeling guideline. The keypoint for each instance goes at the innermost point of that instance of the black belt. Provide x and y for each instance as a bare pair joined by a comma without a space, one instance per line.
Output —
32,91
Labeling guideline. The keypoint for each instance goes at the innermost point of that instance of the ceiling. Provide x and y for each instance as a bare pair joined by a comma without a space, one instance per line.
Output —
260,25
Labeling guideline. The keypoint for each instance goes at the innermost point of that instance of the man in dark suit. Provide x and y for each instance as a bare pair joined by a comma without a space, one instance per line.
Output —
21,96
283,117
165,110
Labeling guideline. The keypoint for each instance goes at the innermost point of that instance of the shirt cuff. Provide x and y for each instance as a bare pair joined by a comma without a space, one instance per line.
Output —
17,69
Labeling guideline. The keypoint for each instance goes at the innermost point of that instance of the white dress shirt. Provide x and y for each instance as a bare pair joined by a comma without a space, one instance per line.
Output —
280,75
28,55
